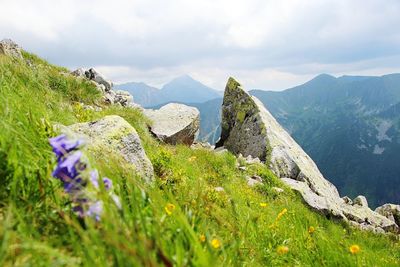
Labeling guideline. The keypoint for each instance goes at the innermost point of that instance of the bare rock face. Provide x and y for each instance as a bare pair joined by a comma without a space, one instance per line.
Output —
361,201
112,134
390,211
9,48
347,200
175,123
249,129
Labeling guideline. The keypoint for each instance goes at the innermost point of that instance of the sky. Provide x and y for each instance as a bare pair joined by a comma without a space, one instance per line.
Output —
265,44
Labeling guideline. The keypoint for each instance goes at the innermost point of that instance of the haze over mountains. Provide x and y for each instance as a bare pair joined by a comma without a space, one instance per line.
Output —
349,125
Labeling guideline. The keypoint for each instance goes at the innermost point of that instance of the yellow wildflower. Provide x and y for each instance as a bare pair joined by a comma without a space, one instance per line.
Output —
263,204
278,218
354,249
311,230
192,158
282,250
215,243
169,208
202,238
281,214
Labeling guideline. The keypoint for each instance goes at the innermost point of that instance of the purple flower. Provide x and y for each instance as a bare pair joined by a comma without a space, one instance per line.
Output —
73,186
71,171
68,168
95,210
107,183
79,211
94,178
62,145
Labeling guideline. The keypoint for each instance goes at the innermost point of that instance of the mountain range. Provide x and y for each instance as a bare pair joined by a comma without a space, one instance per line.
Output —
349,125
183,89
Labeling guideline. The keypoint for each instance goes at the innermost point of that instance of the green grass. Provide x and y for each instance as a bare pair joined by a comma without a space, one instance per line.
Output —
37,227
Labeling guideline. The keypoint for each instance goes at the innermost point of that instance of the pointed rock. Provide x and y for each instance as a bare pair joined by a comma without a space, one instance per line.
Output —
249,129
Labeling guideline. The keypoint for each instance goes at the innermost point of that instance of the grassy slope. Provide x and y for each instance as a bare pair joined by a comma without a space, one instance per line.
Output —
37,227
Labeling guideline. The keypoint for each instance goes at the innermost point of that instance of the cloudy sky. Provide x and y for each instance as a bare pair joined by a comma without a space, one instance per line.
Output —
265,44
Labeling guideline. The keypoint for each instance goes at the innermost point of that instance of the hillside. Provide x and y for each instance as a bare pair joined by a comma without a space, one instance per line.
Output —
183,89
180,220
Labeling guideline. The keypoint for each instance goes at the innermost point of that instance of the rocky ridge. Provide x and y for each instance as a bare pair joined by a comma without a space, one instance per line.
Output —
249,129
110,96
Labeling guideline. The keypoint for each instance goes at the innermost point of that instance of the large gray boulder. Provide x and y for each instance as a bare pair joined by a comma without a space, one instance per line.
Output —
249,129
114,135
9,48
175,123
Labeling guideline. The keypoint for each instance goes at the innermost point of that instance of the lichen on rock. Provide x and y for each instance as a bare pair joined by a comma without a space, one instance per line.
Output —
113,134
241,123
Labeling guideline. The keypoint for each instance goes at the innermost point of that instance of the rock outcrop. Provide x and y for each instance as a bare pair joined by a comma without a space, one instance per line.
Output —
361,201
114,135
390,211
123,97
93,75
175,123
9,48
249,129
110,96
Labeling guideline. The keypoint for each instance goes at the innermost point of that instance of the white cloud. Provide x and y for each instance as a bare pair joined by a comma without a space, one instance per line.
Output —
265,43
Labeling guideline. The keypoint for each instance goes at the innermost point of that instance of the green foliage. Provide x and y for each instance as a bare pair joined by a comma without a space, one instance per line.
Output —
173,222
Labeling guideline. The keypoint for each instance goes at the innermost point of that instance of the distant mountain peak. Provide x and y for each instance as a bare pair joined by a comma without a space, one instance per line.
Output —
183,78
320,79
182,89
324,76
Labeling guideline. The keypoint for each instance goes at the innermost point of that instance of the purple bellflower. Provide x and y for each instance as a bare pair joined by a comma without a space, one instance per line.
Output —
62,145
72,169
